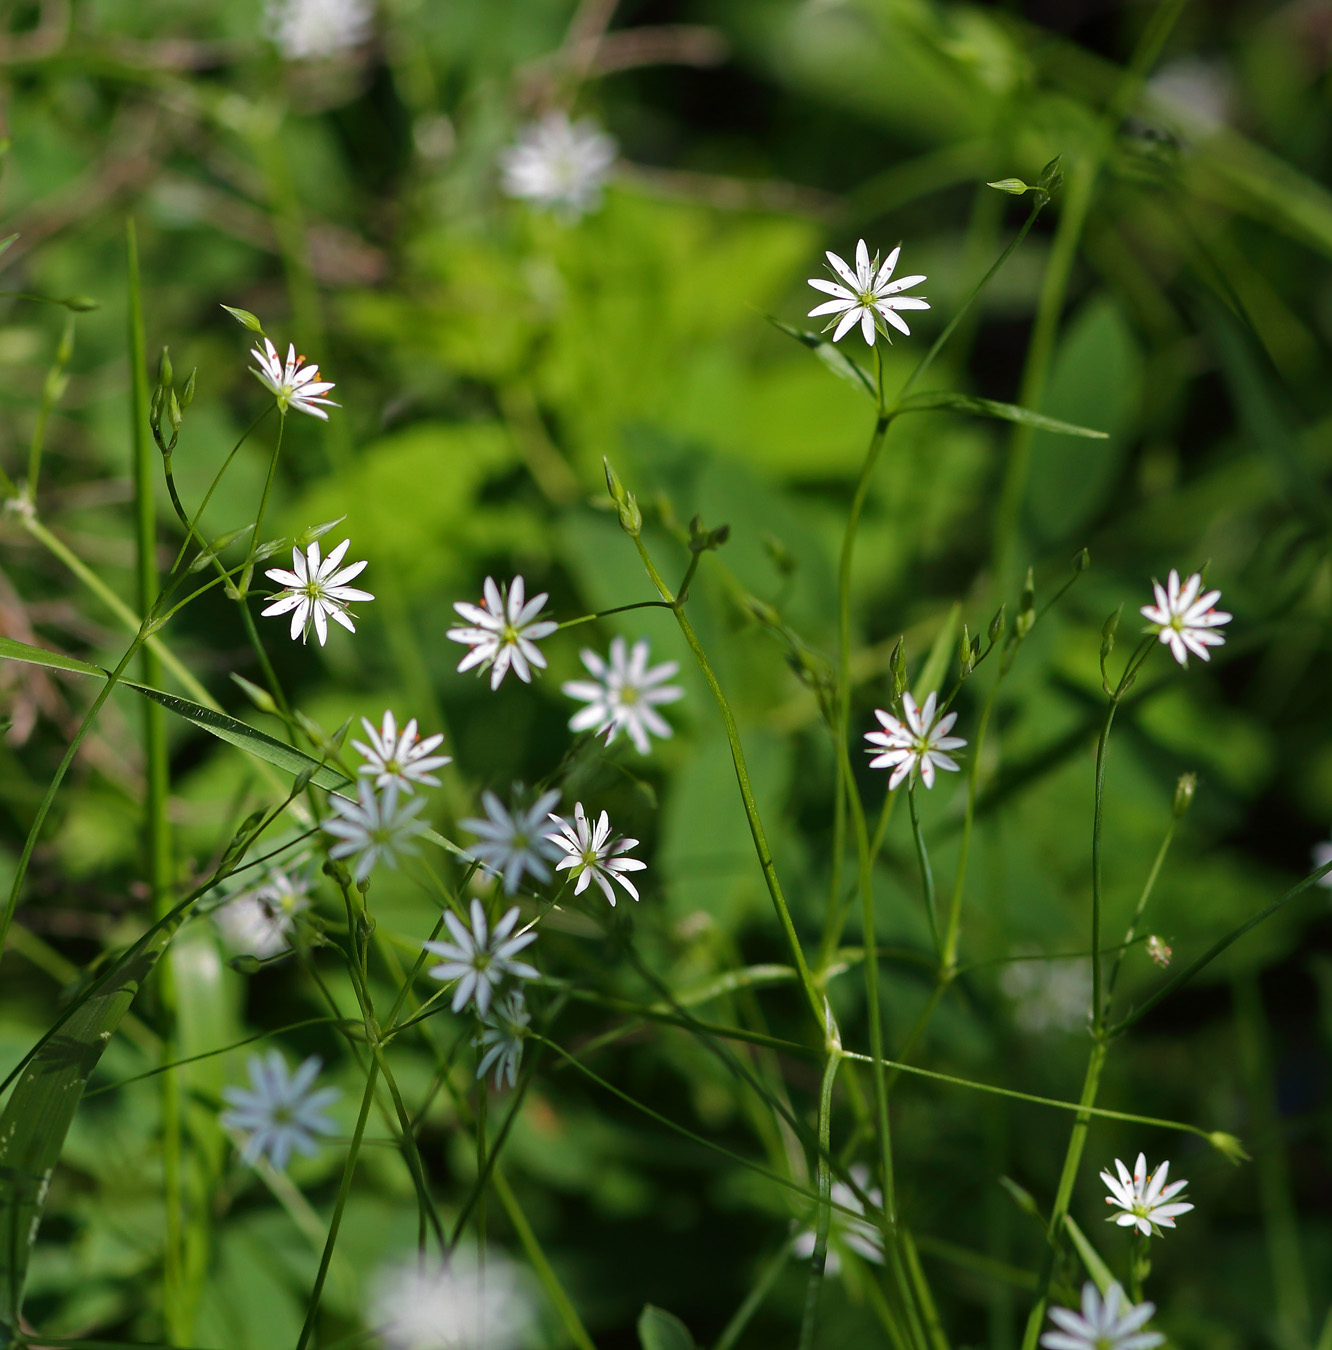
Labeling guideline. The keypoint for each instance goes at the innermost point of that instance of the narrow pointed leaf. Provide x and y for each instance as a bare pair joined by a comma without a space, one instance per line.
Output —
935,400
39,656
833,357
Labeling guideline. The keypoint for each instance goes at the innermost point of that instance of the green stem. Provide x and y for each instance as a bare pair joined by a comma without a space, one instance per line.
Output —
1148,886
759,1291
52,389
809,1323
1054,1232
923,859
255,539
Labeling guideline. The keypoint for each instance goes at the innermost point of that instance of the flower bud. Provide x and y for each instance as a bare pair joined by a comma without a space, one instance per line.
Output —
245,319
897,664
165,374
1228,1145
1015,186
997,624
187,394
1082,561
1184,790
965,657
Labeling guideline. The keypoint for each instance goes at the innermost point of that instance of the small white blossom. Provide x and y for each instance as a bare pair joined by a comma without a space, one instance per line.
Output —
559,164
422,1305
501,1038
259,922
844,1229
280,1113
1144,1197
374,828
869,295
294,385
306,30
624,694
1322,855
479,960
316,591
594,854
503,631
404,760
1185,619
1047,995
1114,1324
514,842
919,742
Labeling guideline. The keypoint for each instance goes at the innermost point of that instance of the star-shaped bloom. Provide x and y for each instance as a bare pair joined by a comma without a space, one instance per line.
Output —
374,828
558,164
844,1229
503,631
869,295
480,959
1184,618
259,922
316,591
280,1113
594,854
624,694
514,842
403,759
918,742
1144,1197
293,384
501,1039
1112,1324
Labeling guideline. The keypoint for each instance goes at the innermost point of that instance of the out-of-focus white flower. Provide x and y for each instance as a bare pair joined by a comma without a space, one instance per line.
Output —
624,694
294,385
869,296
559,164
1185,619
259,922
311,30
1322,855
419,1304
503,631
480,960
501,1040
594,854
1114,1324
316,591
1144,1197
1195,94
919,742
514,842
847,1230
1048,995
280,1112
375,827
402,759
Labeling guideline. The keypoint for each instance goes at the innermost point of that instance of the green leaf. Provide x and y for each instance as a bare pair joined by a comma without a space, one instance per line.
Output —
936,664
39,656
5,243
244,317
1096,1268
937,399
833,357
660,1330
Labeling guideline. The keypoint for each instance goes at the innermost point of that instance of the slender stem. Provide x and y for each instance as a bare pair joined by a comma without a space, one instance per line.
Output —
52,389
758,1291
618,609
923,859
344,1190
809,1323
746,789
1148,886
255,539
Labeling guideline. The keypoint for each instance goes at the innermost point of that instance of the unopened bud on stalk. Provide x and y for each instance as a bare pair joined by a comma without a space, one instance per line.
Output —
187,394
1082,561
997,624
626,504
1108,630
1051,177
165,374
897,664
1015,186
1228,1145
1184,790
965,657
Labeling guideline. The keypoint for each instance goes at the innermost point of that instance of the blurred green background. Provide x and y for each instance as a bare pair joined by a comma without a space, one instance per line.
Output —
487,356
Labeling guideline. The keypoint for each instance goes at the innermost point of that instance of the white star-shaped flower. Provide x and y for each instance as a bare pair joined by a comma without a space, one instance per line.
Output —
1112,1324
280,1113
859,1234
1322,855
501,1040
503,631
1184,618
869,295
310,30
514,842
403,759
624,694
559,164
259,922
374,828
294,385
316,591
1144,1197
594,854
480,959
919,742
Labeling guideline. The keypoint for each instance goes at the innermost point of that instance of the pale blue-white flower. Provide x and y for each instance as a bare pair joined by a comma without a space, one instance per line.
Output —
260,922
500,1042
282,1111
511,843
559,164
1112,1323
375,828
623,694
482,958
